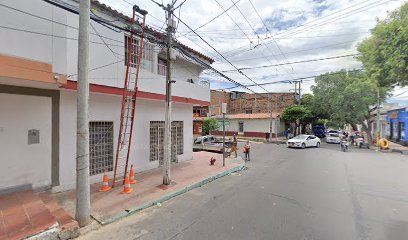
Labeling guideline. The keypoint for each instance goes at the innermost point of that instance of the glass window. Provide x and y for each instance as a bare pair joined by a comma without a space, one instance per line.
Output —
240,126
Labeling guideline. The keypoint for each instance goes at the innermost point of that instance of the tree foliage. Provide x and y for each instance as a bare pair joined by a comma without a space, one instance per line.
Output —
385,54
345,97
210,125
296,113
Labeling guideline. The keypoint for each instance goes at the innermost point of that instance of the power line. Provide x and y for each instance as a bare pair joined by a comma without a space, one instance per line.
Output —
257,13
211,20
296,62
218,52
298,28
232,21
291,80
110,49
303,50
315,36
363,8
239,10
236,24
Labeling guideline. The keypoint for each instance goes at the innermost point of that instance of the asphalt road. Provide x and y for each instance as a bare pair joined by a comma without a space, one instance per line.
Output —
286,194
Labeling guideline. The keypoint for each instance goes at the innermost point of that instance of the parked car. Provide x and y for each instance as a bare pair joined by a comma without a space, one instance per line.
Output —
304,141
332,131
205,139
333,138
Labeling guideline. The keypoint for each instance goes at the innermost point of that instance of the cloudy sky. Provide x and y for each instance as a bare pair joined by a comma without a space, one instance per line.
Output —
255,33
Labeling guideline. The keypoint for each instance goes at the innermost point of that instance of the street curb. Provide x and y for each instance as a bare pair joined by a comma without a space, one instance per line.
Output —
172,195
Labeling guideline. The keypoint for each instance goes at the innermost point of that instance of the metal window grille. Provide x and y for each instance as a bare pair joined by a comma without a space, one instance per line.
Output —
134,53
176,139
100,147
157,140
147,56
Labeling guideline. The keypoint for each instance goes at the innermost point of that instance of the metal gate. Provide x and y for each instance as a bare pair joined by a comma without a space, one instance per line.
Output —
157,140
100,147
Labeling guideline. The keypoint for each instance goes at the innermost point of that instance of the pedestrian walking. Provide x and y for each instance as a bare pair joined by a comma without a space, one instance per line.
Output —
234,147
247,150
287,132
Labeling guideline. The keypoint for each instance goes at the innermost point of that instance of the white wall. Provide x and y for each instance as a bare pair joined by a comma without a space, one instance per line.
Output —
254,125
114,75
62,51
107,108
34,46
22,163
250,125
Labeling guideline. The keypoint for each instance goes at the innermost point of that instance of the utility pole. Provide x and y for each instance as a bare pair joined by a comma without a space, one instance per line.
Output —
378,132
224,111
270,116
83,204
167,123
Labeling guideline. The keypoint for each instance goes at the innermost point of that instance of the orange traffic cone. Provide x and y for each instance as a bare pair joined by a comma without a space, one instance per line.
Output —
105,185
132,179
126,187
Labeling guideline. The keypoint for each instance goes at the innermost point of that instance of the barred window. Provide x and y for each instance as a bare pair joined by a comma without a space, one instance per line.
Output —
147,56
100,147
157,140
134,52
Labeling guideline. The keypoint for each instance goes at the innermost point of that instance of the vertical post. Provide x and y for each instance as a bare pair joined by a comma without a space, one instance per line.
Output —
83,204
277,127
223,139
224,110
378,116
167,123
296,121
270,116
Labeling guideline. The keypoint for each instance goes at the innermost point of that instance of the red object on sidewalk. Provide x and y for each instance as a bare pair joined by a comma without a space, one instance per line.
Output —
105,185
126,188
132,179
212,161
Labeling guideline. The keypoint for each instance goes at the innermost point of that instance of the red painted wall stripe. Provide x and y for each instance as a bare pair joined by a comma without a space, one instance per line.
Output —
95,88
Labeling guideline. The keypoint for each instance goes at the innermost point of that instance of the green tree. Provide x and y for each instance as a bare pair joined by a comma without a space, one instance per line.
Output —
385,54
307,100
210,125
346,97
296,114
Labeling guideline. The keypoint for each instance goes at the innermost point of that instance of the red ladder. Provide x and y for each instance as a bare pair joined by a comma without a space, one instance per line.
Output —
127,114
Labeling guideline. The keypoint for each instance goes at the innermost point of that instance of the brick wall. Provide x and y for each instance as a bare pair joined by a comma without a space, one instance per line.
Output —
249,102
218,97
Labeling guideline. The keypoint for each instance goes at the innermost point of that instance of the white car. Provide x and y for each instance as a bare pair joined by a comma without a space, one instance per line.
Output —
304,141
333,138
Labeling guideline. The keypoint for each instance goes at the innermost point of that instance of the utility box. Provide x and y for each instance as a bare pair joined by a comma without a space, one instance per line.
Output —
33,136
223,108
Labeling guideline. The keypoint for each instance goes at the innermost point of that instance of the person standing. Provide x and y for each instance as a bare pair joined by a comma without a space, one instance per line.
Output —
247,150
234,146
287,132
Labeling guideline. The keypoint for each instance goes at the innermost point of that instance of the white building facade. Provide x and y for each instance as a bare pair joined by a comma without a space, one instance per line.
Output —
38,66
254,125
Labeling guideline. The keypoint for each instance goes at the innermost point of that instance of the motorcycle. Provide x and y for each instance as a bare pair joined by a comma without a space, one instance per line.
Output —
344,145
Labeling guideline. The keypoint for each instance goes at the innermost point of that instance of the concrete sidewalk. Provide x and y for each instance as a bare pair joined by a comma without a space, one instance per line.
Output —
395,147
110,206
26,213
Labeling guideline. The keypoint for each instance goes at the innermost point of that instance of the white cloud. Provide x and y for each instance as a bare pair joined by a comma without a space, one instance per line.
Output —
332,27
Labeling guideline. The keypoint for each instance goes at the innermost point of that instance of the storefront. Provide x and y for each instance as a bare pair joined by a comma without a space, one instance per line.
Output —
397,125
